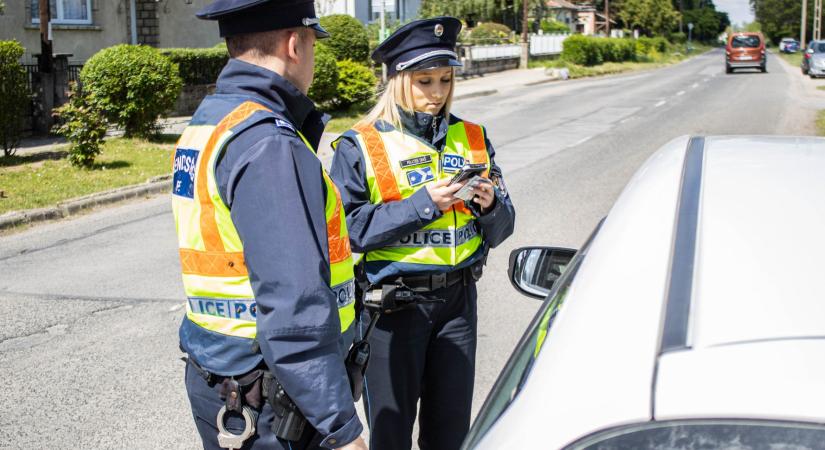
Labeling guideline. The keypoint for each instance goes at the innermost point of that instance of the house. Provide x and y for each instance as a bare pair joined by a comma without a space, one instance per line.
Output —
83,27
582,18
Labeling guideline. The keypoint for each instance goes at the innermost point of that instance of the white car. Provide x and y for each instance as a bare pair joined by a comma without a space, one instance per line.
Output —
693,317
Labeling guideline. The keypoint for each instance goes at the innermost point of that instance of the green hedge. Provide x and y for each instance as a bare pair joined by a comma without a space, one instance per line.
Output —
582,50
14,95
133,85
489,33
591,50
348,38
198,65
356,84
324,86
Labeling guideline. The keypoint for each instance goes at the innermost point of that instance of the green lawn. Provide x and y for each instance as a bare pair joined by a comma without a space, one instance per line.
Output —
820,123
344,120
610,68
45,179
794,59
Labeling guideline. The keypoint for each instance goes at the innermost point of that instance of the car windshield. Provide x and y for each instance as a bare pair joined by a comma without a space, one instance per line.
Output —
518,367
728,434
745,42
819,47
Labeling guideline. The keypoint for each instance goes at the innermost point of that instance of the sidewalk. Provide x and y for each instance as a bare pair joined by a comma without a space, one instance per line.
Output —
465,88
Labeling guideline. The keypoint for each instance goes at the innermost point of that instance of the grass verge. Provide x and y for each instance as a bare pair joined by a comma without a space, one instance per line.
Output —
794,59
820,123
45,179
344,120
611,68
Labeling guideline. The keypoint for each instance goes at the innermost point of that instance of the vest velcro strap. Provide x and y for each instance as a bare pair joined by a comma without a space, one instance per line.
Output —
212,264
384,175
478,147
209,227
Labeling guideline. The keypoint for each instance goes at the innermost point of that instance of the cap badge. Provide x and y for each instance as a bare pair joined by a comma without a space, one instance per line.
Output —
439,30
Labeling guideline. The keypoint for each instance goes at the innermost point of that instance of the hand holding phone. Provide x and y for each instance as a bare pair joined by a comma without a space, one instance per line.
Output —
467,172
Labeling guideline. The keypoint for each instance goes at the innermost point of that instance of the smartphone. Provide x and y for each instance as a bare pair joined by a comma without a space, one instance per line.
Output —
467,172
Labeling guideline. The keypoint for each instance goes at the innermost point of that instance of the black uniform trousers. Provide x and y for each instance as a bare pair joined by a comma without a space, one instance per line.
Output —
425,353
205,400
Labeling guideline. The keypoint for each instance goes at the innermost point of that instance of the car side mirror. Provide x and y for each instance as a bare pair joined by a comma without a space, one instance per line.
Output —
534,270
809,51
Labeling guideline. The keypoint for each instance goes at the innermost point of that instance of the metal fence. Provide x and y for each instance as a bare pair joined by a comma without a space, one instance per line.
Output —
488,52
547,44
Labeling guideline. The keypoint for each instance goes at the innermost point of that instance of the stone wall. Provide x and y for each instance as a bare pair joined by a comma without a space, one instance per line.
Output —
148,25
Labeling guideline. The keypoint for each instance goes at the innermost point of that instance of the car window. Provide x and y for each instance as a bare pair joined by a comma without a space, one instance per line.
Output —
518,367
819,47
719,434
745,42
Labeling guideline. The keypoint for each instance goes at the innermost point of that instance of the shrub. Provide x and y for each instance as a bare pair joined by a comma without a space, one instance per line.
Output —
490,33
83,126
324,86
132,85
14,95
356,84
678,38
553,26
198,65
582,50
348,38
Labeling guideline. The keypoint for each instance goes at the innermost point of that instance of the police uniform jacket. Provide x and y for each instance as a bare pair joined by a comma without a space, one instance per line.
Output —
276,194
374,226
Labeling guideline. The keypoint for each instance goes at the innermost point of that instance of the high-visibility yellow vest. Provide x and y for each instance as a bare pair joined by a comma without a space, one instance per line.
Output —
397,165
215,278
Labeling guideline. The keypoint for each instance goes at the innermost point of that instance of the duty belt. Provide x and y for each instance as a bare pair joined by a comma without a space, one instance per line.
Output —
434,282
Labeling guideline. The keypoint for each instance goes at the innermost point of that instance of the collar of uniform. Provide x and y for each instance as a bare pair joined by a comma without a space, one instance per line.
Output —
420,124
271,89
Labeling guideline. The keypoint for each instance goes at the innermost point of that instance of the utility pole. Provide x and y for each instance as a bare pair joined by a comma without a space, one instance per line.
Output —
46,52
607,18
818,20
802,42
525,36
382,37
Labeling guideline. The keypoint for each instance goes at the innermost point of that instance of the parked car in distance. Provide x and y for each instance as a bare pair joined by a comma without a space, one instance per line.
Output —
745,50
813,61
788,45
691,318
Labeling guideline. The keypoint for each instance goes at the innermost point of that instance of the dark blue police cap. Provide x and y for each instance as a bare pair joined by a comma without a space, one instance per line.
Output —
420,45
252,16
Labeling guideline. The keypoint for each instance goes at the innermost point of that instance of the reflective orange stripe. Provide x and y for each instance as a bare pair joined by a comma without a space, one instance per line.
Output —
339,248
478,148
214,264
209,227
384,175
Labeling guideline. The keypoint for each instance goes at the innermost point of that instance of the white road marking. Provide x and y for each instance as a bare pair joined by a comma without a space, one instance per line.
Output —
659,104
680,93
176,307
581,141
694,86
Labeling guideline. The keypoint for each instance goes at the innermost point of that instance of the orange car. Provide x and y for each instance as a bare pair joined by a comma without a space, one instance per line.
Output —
745,50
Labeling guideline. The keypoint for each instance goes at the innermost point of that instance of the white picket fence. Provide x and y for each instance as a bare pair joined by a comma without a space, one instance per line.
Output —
540,45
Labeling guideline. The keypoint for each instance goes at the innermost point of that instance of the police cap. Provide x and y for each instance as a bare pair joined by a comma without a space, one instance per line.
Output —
252,16
422,44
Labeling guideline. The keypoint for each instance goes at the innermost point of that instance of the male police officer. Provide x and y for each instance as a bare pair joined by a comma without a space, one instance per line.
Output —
265,255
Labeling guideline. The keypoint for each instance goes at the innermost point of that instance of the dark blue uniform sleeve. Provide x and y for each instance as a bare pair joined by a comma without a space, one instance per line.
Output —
275,190
497,225
374,226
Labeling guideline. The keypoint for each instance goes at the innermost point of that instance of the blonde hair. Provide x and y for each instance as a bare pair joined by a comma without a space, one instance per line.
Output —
397,93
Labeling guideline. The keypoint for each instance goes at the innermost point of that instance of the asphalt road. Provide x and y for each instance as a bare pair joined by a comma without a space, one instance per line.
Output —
89,307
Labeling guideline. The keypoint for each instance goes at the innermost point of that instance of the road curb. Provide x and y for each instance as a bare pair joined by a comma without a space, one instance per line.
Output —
74,206
476,94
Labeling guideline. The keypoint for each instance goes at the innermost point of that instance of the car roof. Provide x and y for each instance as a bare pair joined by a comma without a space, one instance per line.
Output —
753,323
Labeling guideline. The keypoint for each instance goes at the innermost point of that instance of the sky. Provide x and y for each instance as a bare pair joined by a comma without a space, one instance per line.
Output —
739,11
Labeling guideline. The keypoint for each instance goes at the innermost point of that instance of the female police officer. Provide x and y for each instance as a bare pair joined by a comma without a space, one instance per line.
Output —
394,169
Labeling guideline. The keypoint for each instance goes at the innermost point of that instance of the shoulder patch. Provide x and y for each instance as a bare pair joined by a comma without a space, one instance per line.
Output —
284,124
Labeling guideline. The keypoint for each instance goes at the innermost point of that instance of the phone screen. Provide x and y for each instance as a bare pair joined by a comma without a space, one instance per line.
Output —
468,172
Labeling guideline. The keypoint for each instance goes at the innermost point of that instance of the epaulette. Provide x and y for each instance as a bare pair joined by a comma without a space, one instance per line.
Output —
284,124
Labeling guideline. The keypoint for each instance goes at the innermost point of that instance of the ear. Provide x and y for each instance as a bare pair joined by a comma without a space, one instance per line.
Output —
293,46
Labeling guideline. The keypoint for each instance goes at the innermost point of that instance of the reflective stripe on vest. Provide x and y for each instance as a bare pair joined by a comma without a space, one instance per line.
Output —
215,277
397,166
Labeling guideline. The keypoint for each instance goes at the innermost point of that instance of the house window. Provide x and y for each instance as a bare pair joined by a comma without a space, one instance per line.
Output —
65,11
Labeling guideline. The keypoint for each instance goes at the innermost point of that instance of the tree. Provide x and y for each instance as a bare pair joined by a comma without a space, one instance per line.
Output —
650,16
707,23
507,12
780,18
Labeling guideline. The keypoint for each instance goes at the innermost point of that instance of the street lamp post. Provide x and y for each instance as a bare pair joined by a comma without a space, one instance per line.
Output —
525,42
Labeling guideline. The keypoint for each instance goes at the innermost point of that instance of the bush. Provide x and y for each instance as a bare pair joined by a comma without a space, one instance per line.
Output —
490,33
617,50
14,95
553,26
83,126
678,38
582,50
651,48
132,85
198,65
348,38
356,84
324,86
